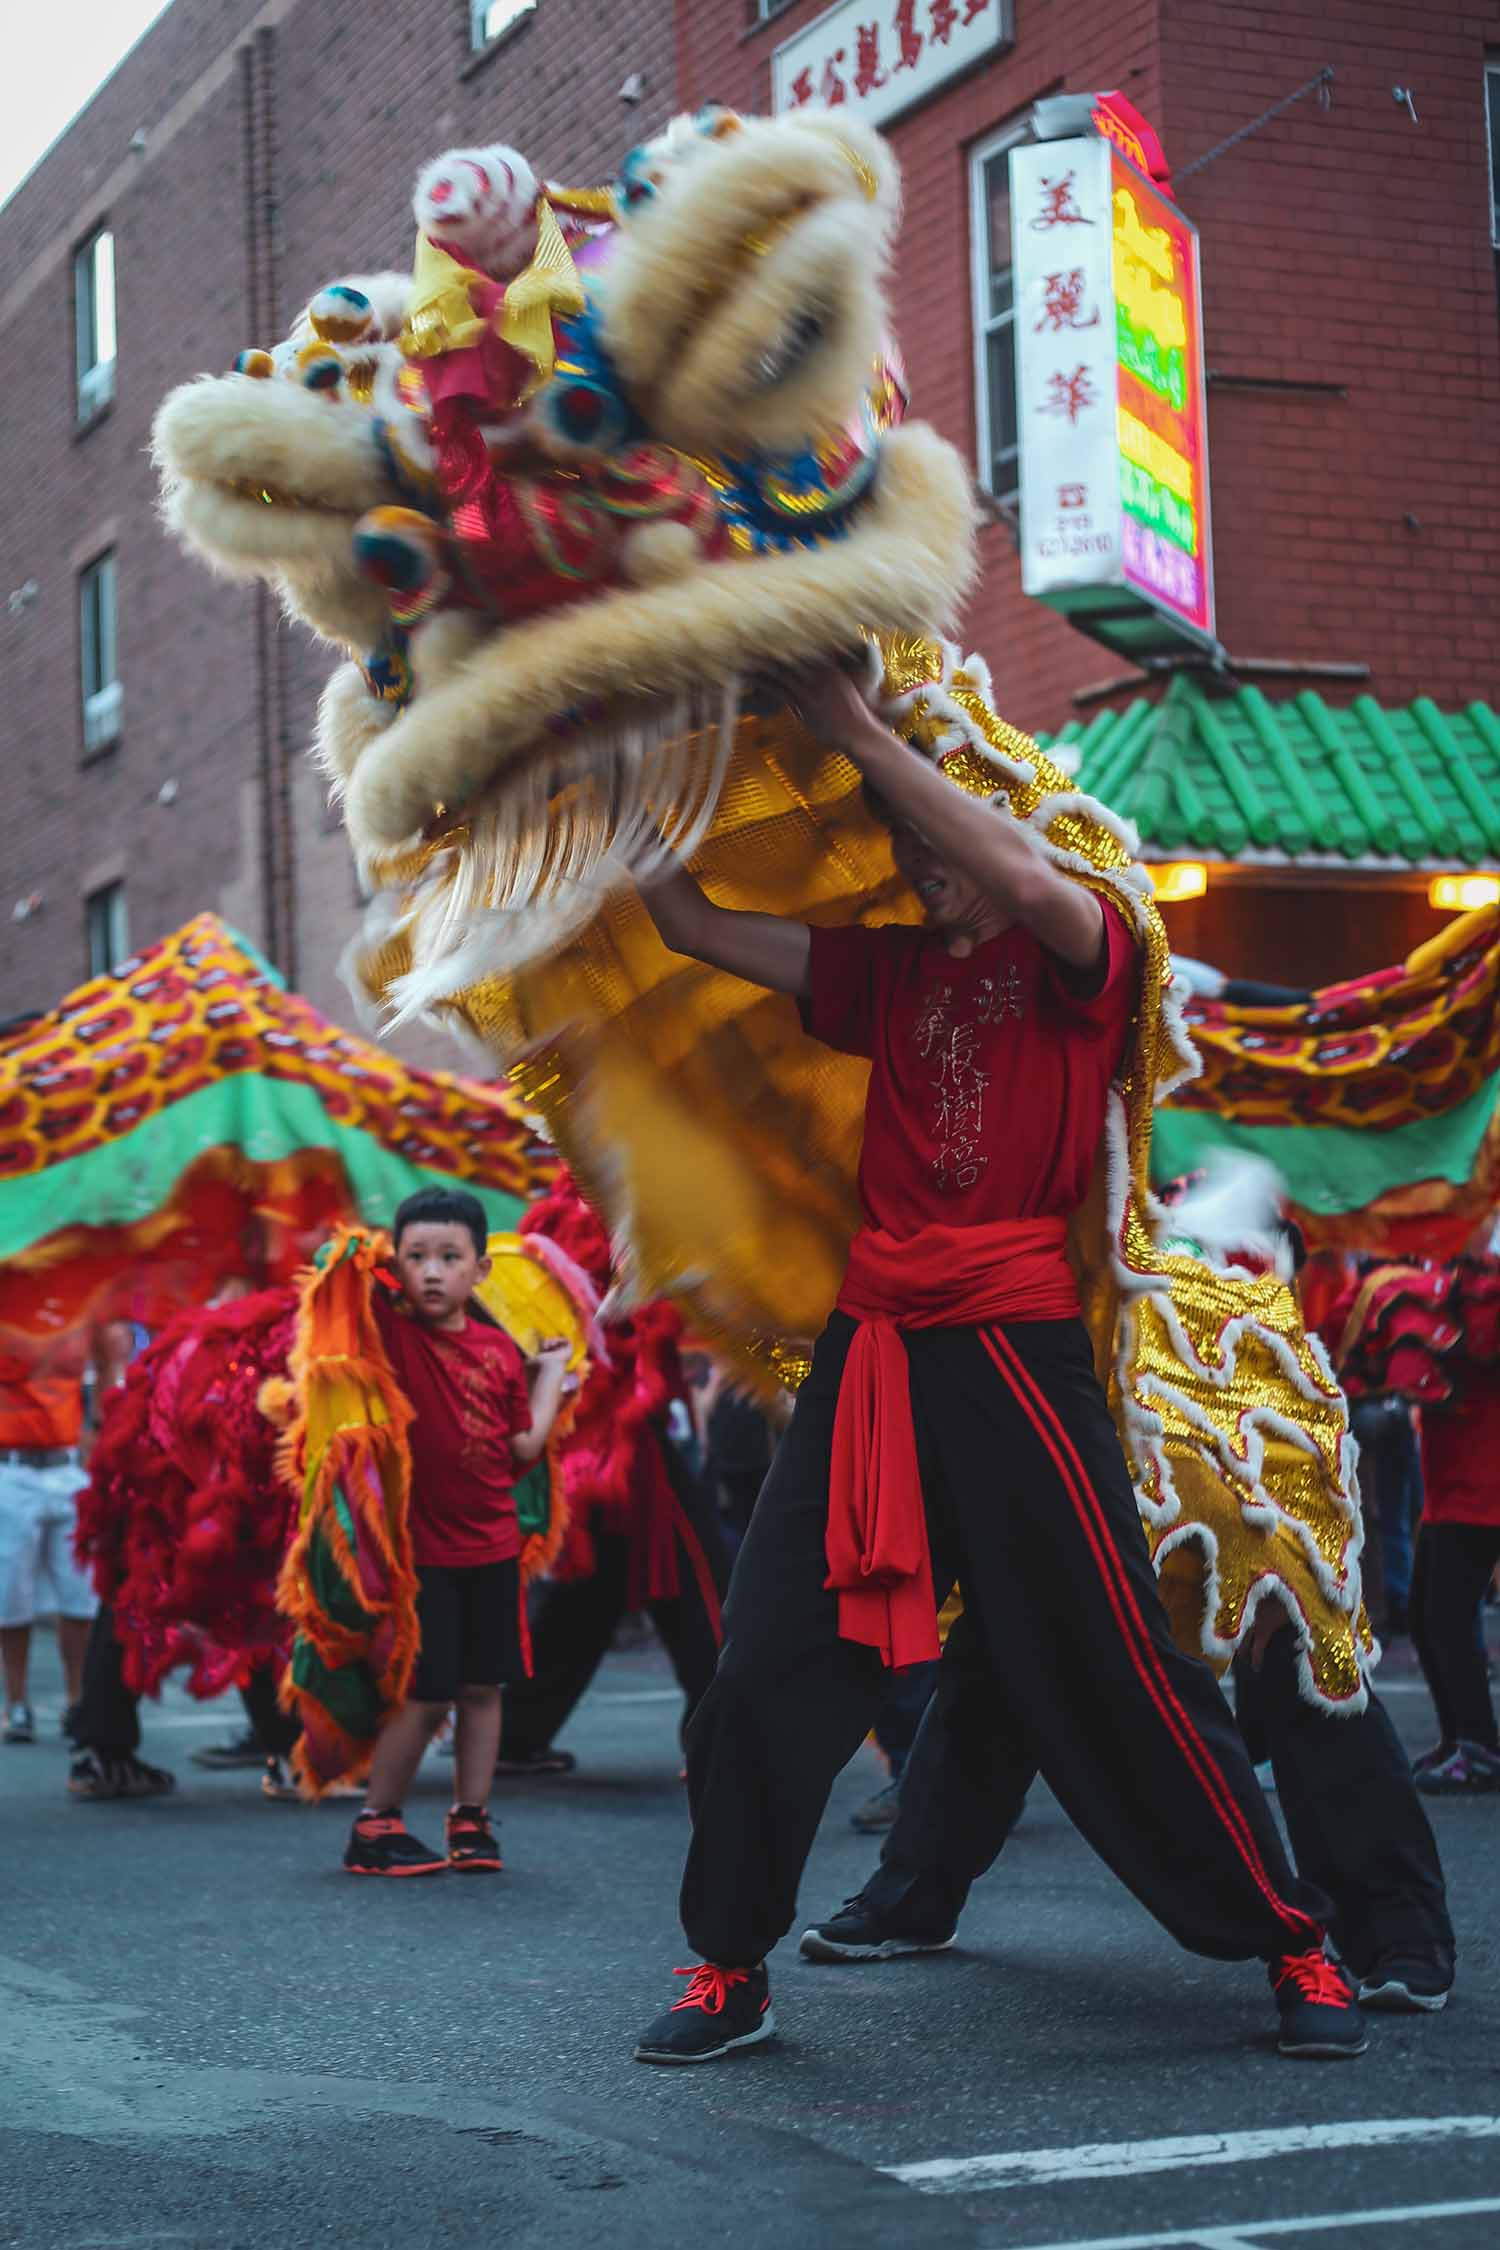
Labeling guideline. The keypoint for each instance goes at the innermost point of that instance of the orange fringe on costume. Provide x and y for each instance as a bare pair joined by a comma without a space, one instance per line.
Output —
348,1437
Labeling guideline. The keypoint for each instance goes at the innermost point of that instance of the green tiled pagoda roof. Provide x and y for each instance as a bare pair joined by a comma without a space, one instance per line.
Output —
1224,775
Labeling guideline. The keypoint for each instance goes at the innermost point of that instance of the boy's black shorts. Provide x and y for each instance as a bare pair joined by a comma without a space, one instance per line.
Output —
470,1620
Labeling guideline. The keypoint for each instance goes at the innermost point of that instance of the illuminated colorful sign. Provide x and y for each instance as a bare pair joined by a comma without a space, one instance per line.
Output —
1110,398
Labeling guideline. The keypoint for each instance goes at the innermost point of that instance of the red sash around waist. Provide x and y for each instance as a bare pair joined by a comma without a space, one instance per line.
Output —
944,1277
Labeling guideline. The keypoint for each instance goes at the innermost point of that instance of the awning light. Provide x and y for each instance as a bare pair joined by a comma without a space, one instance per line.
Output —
1177,879
1462,894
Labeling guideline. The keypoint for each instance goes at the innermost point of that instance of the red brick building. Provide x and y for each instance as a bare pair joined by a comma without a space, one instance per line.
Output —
239,157
152,723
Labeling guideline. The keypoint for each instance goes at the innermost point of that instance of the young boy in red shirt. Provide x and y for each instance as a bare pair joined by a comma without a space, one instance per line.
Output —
481,1416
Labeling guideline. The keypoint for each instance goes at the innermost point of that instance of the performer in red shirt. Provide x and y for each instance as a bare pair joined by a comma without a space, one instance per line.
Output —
477,1417
953,1428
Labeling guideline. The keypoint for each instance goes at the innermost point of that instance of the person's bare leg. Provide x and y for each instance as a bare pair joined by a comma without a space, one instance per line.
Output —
15,1660
398,1753
476,1744
72,1641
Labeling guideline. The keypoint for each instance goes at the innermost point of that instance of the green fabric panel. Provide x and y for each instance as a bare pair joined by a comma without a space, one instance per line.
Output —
265,1119
335,1596
1332,1167
533,1494
348,1695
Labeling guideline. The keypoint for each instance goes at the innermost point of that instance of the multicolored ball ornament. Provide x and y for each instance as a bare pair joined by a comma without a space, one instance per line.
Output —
341,314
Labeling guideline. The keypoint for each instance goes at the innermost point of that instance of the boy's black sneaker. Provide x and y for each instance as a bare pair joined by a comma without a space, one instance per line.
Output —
721,2009
1407,1984
473,1847
859,1932
1319,2019
381,1844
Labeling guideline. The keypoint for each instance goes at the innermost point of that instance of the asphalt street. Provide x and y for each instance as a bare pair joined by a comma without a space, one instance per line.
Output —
209,2036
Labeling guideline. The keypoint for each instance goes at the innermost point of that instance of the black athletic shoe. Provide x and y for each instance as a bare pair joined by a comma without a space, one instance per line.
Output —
1319,2020
546,1760
721,2009
1469,1770
858,1932
1407,1984
220,1757
93,1774
382,1844
473,1846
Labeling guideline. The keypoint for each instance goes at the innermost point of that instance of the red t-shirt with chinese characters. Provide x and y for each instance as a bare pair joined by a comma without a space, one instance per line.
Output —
989,1074
469,1394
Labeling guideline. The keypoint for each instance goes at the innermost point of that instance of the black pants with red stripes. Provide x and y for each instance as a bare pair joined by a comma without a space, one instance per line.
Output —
1030,1508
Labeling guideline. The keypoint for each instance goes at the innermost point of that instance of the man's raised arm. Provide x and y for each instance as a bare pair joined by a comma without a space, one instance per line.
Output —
761,948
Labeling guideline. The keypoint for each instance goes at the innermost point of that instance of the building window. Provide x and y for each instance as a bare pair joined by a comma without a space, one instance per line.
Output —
761,11
107,928
100,679
994,315
489,18
94,317
1492,136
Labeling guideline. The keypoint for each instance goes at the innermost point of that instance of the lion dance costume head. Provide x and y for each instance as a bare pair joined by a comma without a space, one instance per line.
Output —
574,497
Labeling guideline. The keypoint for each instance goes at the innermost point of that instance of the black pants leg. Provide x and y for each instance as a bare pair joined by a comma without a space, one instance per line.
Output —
1027,1486
275,1730
962,1791
108,1714
571,1632
577,1621
789,1704
1453,1568
688,1629
1356,1822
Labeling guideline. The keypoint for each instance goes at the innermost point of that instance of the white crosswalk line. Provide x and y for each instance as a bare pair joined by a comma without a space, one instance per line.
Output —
1118,2160
1254,2234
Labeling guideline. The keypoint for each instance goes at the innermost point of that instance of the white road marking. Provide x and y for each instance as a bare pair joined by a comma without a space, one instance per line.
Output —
1251,2234
1119,2160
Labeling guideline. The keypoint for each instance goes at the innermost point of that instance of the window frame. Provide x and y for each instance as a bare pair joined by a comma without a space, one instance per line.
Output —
482,40
106,913
100,706
94,371
982,322
762,12
1492,144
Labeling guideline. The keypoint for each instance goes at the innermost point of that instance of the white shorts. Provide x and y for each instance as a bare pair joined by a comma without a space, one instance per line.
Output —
38,1512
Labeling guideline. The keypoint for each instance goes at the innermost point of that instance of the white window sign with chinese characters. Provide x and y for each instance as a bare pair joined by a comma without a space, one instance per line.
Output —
881,56
1111,421
1065,365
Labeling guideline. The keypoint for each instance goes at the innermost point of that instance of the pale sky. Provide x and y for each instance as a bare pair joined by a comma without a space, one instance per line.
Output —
52,60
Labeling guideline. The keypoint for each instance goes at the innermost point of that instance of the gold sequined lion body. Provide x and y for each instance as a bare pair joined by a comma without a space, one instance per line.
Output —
690,475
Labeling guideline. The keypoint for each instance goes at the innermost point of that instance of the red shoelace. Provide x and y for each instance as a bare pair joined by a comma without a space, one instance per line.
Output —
709,1987
1316,1977
380,1824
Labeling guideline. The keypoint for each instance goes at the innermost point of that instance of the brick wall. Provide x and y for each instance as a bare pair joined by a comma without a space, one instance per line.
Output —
1348,248
359,98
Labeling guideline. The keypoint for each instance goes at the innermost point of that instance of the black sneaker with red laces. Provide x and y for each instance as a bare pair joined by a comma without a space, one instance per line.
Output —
721,2009
382,1844
473,1846
1319,2018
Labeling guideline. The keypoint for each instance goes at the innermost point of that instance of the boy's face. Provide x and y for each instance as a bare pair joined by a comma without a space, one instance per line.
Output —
439,1266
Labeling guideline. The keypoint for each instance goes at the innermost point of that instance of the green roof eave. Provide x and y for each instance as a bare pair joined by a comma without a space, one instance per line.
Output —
1245,775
